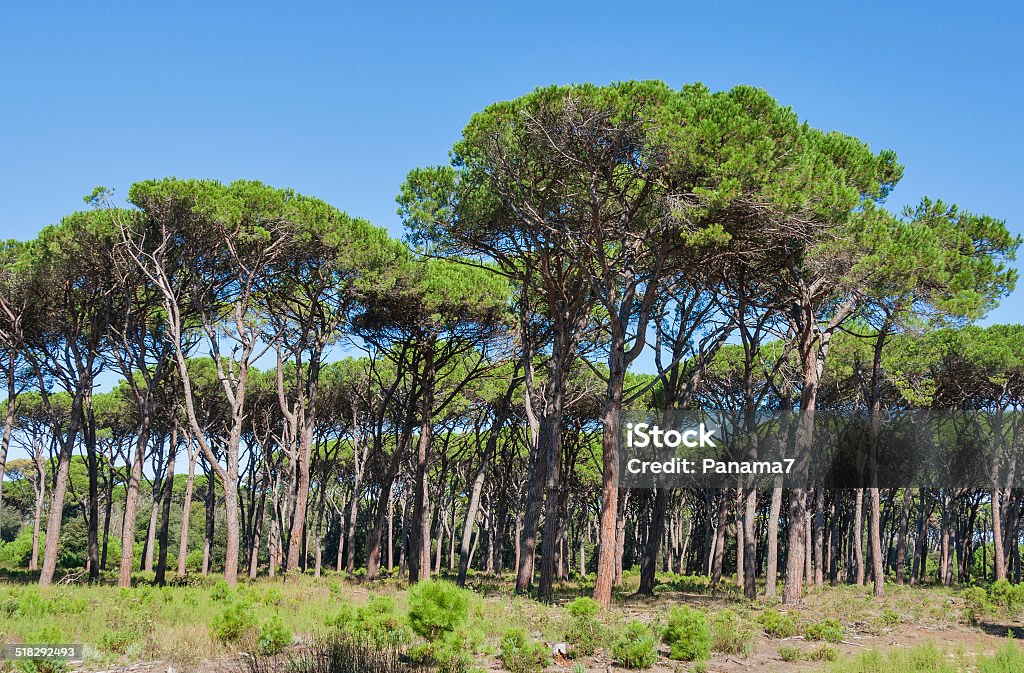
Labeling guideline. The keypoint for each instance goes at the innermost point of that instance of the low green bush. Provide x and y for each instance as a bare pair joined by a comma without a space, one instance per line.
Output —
777,625
823,652
730,634
194,561
520,655
274,636
583,631
926,658
117,641
377,621
635,648
437,607
446,654
221,591
1008,659
828,630
687,634
32,604
17,552
233,623
1006,595
790,654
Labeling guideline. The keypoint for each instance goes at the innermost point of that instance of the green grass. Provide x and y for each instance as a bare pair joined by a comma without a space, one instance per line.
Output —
204,619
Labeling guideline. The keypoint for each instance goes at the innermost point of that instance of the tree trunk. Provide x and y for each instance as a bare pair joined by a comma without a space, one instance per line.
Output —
94,482
12,396
610,473
211,514
471,513
419,530
40,465
655,533
750,541
165,515
818,534
186,510
771,574
858,539
901,540
56,514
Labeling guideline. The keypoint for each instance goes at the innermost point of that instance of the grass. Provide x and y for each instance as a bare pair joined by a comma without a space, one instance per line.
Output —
207,620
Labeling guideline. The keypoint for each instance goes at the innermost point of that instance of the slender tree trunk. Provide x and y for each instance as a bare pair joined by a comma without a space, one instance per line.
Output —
551,438
154,513
655,533
186,510
620,535
419,530
818,534
471,513
165,515
750,541
12,396
718,548
107,514
771,574
60,487
901,540
40,465
211,513
374,540
94,483
610,481
350,529
391,531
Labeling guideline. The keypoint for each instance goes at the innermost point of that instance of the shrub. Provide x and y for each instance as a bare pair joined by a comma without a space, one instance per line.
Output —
522,656
977,603
45,635
17,552
8,606
790,653
272,596
823,652
584,631
32,604
635,648
376,621
446,654
1009,597
584,606
194,560
220,591
274,636
829,630
776,624
1008,659
437,607
233,623
117,641
687,634
924,658
729,634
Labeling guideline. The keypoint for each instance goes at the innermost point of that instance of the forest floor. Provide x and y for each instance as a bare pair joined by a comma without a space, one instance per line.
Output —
201,627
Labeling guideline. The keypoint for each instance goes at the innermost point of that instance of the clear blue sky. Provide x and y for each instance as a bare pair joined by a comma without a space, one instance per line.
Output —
341,101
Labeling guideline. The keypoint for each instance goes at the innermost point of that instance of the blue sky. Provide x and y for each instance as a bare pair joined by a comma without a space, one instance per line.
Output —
340,101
